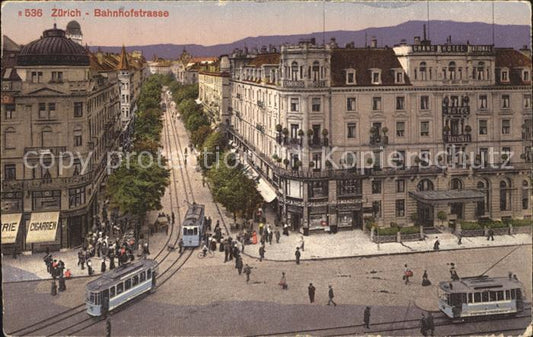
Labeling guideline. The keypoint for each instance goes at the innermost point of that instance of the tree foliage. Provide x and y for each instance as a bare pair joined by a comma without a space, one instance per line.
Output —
199,136
214,143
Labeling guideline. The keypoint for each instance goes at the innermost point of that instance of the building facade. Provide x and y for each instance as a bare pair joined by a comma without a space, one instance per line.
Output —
214,90
393,134
60,117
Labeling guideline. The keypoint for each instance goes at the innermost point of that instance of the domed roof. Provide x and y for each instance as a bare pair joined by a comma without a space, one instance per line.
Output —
53,48
74,28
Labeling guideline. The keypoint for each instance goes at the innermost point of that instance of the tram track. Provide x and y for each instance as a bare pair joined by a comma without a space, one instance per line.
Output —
79,309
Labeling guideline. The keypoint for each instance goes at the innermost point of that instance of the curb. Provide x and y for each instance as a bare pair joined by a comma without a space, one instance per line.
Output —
385,254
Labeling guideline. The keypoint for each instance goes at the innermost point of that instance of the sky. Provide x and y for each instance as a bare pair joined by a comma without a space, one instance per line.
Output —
214,22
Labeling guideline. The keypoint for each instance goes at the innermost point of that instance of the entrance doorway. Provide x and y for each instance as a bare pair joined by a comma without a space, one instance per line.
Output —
425,215
457,209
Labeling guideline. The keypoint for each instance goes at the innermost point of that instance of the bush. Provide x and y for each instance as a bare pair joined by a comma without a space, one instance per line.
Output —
410,230
388,231
523,222
470,225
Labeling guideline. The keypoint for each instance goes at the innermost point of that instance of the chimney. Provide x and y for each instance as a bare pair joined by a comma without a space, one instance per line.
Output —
524,50
313,41
333,43
374,42
417,40
424,32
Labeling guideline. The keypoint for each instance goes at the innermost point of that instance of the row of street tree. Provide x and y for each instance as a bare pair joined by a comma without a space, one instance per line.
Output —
138,185
230,185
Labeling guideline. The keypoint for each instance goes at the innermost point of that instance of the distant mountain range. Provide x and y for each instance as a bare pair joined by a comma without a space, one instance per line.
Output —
515,36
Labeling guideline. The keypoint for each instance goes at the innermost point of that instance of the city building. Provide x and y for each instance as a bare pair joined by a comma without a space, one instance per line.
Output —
159,66
393,136
186,67
60,117
214,91
73,32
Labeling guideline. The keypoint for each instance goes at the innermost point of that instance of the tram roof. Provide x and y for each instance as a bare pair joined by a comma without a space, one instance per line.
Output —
471,284
113,276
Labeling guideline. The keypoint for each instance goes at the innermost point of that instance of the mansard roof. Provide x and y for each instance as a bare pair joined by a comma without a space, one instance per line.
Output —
262,59
363,60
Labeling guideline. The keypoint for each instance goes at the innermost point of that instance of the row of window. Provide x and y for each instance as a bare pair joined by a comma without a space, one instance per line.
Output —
484,296
375,76
37,77
95,298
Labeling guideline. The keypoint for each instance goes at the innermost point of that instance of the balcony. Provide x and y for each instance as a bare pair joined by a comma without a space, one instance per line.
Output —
456,110
47,183
465,138
318,84
293,84
56,151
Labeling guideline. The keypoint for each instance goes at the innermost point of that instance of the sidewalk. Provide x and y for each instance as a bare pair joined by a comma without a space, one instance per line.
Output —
356,243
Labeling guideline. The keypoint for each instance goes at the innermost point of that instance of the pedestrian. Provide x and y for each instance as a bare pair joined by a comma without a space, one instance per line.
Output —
283,281
297,254
108,327
173,217
270,236
62,285
331,295
460,238
425,279
54,288
490,234
286,229
180,245
278,235
103,266
261,253
407,273
430,325
366,317
226,252
436,245
247,271
68,274
261,225
423,326
48,261
311,291
238,264
453,272
55,269
111,260
302,243
90,267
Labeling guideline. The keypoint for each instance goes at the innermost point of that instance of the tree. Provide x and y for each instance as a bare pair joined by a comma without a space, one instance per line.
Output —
195,121
137,187
199,136
442,216
215,142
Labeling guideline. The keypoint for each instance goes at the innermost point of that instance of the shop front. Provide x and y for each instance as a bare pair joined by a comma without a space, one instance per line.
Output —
349,215
42,231
318,217
10,229
295,216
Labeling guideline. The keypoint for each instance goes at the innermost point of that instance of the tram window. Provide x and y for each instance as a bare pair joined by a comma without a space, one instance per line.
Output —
111,292
195,231
500,295
148,274
143,276
485,296
508,294
470,298
518,294
513,294
127,284
120,288
184,231
493,296
477,297
91,298
97,298
463,298
135,280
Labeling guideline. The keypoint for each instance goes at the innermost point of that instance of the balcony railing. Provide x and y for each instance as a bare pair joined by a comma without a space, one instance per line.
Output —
318,84
456,110
59,182
38,151
293,84
465,138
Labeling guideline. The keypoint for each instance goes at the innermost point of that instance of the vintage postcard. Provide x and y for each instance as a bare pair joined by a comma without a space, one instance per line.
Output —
266,168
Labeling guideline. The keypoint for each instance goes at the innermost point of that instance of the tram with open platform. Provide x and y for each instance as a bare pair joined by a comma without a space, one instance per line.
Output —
193,225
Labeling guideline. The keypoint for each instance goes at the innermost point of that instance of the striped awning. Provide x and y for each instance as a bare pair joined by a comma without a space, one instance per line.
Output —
10,227
267,192
43,227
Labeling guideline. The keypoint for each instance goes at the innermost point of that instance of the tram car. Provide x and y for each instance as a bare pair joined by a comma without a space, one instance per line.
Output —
119,286
193,225
481,296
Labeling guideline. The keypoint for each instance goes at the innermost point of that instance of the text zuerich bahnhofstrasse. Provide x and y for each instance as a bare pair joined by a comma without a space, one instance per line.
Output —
131,13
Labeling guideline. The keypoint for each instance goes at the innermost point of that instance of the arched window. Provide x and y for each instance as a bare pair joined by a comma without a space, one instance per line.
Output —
480,69
505,195
451,69
9,139
423,69
294,71
46,136
483,206
424,185
525,194
77,137
456,184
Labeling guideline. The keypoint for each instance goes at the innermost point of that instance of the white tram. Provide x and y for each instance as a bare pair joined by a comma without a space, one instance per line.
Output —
481,296
120,285
193,225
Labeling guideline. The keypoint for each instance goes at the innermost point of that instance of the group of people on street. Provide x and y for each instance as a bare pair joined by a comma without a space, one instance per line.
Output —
58,271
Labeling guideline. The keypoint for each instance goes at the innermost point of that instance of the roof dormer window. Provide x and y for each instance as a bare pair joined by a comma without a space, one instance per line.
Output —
525,75
350,76
376,76
398,78
504,75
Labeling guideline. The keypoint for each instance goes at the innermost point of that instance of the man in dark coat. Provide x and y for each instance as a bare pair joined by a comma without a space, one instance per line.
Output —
490,234
278,235
430,325
366,317
238,264
226,252
331,295
54,288
62,285
111,260
48,261
103,267
311,290
261,253
423,326
298,254
247,271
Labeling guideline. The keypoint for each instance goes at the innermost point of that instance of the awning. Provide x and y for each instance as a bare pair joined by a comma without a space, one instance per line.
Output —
10,227
267,192
249,171
444,197
43,227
